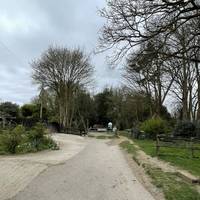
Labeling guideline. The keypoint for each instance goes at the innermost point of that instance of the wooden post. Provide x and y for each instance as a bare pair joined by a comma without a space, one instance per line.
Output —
157,145
191,146
4,122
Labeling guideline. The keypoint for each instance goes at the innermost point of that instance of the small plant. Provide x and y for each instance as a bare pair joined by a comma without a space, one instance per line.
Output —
19,130
154,126
49,143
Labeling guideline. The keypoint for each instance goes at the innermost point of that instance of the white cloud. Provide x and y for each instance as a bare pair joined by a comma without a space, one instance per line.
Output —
27,28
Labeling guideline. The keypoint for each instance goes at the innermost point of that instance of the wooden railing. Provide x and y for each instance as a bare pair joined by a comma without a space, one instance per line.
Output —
191,144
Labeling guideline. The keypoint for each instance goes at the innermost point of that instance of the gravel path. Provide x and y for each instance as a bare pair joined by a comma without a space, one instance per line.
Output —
99,172
16,172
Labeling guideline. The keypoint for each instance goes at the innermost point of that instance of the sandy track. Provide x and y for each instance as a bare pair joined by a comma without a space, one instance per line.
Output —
99,172
16,172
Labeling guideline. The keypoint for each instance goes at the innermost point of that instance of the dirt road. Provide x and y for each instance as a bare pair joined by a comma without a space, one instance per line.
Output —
98,172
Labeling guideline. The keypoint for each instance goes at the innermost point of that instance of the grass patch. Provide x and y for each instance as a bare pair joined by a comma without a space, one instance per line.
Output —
173,187
176,156
130,148
101,137
91,136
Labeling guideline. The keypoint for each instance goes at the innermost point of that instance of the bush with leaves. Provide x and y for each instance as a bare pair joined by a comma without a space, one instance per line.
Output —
185,129
36,135
48,143
10,139
153,127
18,140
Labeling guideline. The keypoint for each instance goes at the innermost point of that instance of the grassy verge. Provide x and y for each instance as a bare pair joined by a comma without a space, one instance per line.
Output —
172,186
131,149
102,137
176,156
106,137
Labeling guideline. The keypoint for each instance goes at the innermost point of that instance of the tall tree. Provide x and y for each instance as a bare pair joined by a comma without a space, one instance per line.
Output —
63,71
150,72
9,109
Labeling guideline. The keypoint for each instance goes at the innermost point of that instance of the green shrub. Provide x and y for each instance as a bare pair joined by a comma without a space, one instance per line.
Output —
36,135
19,130
25,147
185,129
18,140
48,143
153,127
10,139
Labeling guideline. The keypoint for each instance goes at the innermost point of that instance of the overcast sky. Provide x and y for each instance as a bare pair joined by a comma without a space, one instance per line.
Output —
27,28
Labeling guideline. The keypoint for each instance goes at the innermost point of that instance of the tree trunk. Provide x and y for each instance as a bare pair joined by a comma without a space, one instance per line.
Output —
185,91
198,90
159,106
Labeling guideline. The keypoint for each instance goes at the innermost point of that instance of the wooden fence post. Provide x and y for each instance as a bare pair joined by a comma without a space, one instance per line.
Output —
157,145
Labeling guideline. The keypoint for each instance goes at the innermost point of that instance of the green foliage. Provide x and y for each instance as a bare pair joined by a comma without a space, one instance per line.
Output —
32,111
19,130
9,109
27,110
102,102
36,135
11,139
18,140
84,115
185,129
124,108
48,143
153,127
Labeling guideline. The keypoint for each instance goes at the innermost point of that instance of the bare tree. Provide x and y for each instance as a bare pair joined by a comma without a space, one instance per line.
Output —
132,22
63,70
185,82
151,73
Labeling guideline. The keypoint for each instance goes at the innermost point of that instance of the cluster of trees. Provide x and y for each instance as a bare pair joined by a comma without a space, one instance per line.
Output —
124,107
160,40
117,105
15,114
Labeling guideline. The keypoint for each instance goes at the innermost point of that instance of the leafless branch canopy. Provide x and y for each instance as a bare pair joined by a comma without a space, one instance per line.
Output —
61,66
132,22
